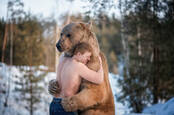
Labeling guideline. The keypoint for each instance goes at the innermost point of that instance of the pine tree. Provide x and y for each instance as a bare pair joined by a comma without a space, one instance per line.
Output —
30,88
28,44
150,42
108,35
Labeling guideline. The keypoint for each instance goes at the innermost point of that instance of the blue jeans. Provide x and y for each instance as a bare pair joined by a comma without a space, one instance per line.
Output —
57,109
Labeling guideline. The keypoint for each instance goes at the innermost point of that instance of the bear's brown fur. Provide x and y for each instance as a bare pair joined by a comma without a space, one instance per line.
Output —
92,99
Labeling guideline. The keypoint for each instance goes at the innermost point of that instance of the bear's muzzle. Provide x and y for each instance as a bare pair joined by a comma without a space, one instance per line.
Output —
59,47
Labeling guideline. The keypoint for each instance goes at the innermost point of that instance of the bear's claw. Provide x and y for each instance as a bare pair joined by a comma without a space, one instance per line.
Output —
69,105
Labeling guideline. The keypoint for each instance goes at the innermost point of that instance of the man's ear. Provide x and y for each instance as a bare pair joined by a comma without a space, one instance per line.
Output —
77,54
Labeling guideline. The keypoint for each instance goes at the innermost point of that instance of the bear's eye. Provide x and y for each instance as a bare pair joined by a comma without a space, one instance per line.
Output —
68,35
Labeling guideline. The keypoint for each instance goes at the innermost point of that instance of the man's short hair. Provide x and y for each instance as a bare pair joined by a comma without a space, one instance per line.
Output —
82,48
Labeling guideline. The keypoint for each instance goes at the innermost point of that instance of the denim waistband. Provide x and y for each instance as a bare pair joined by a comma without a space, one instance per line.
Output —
58,100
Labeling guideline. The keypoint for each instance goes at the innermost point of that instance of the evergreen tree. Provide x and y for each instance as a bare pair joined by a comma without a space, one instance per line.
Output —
50,34
30,88
28,44
108,34
150,41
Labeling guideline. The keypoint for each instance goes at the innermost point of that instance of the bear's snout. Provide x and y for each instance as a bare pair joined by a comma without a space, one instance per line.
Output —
59,47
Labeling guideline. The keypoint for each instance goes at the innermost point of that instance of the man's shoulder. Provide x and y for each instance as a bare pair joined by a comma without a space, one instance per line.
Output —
62,58
76,64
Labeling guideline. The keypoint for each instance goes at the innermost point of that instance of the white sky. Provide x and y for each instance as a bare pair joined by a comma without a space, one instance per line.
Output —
48,8
44,7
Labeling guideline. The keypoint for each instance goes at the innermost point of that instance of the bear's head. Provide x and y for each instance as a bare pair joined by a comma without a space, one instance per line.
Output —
75,33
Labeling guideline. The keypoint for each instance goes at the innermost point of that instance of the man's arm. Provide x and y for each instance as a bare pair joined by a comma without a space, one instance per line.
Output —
90,75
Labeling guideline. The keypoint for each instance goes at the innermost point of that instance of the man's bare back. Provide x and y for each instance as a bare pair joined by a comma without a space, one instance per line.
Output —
68,79
69,75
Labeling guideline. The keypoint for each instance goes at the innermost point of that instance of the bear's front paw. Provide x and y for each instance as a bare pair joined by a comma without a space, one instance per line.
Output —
69,104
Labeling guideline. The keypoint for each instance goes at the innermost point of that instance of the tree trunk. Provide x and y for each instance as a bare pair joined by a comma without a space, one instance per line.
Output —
11,43
4,42
156,75
31,99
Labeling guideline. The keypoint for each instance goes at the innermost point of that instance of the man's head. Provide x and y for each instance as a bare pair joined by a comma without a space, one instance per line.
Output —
82,52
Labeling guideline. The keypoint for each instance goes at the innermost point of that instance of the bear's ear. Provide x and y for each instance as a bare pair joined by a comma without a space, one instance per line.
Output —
82,25
89,25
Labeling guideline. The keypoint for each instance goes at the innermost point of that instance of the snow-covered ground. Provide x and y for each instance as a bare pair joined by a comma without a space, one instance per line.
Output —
161,109
17,107
120,109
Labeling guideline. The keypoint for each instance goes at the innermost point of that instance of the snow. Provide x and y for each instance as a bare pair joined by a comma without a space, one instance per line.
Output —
167,108
153,109
161,109
120,109
17,106
137,114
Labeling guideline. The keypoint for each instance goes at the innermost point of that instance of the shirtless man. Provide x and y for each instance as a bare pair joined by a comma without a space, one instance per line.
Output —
70,72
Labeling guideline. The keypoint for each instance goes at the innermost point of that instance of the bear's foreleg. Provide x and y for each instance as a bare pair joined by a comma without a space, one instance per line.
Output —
86,98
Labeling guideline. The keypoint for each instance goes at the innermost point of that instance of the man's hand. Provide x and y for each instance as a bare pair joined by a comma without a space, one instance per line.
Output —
53,87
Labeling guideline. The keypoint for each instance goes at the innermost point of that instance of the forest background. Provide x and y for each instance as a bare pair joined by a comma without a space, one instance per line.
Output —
140,39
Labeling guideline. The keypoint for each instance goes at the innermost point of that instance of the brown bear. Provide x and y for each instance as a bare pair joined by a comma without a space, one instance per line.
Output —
92,99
